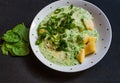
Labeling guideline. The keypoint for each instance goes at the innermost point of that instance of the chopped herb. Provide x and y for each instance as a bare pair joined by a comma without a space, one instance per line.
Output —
37,42
57,11
71,6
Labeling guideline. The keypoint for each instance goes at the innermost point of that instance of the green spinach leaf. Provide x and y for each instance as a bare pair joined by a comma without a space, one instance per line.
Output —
22,31
16,41
10,36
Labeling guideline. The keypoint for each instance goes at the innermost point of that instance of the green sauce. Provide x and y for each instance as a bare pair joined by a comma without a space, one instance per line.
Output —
61,34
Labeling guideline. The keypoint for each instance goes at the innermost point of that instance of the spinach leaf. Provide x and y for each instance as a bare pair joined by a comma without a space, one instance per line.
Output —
22,31
4,49
16,41
20,49
9,47
10,36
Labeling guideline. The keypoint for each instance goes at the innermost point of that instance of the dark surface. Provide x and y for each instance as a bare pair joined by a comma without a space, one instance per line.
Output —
30,70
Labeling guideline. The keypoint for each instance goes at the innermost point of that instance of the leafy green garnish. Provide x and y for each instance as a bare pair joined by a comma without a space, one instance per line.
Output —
71,6
56,26
62,46
57,11
16,41
37,42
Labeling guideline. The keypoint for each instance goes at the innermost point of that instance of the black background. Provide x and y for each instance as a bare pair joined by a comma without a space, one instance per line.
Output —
30,70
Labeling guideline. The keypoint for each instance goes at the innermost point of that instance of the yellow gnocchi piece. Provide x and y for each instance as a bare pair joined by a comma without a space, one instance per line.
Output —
92,39
90,47
89,24
89,39
81,56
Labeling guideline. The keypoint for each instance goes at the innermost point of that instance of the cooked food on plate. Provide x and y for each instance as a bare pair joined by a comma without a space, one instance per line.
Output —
67,35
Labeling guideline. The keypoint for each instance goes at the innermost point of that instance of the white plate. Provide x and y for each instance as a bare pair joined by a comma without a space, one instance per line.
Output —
101,24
